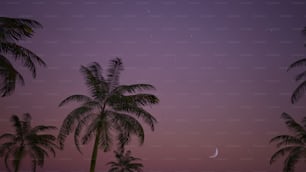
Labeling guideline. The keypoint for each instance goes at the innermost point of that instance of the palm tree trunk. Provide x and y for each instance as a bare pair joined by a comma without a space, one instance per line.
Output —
95,152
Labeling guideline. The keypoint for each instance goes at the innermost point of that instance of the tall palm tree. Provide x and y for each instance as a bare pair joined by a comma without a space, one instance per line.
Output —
27,140
125,162
13,30
111,109
293,146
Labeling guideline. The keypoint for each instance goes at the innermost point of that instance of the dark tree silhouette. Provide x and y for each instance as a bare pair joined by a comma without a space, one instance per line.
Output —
291,146
13,30
110,109
125,162
27,140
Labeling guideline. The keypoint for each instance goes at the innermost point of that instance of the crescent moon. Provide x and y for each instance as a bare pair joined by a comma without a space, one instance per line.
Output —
215,154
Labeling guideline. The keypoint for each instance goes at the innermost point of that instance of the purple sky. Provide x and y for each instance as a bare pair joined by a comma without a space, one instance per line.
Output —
219,67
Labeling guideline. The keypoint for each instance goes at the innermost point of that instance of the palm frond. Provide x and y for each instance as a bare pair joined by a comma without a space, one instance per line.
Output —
293,125
40,128
298,92
118,100
6,158
7,136
26,122
281,152
133,88
300,76
285,140
292,159
9,77
6,147
96,70
91,130
97,86
114,72
131,104
142,99
43,141
140,113
105,139
18,155
39,154
126,126
93,104
17,28
37,138
84,121
47,146
17,125
26,56
75,98
69,123
298,63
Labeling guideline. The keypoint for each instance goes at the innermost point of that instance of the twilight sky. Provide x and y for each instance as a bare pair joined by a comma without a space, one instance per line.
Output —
219,67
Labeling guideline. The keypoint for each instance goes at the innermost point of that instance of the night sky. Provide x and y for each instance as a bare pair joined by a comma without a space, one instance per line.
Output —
219,67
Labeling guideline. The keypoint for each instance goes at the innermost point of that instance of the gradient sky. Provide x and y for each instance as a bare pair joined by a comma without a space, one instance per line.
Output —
219,67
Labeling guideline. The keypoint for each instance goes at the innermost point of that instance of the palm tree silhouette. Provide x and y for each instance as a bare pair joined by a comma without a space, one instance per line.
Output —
27,140
13,30
125,162
110,108
294,146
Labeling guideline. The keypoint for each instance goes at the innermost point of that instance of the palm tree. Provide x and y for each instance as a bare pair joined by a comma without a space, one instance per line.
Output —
125,162
294,146
110,109
13,30
27,140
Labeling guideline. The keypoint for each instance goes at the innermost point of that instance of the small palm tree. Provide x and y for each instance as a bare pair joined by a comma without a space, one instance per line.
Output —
294,146
13,30
125,162
27,140
110,109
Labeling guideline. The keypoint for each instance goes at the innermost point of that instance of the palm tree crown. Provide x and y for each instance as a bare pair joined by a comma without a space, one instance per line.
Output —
13,30
125,162
27,140
294,146
110,109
